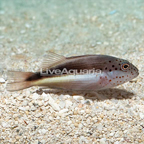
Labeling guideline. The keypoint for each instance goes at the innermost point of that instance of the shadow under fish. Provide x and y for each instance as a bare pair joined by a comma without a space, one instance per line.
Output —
100,95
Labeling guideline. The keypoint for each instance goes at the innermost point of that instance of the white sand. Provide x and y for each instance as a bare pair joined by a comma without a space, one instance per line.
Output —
29,28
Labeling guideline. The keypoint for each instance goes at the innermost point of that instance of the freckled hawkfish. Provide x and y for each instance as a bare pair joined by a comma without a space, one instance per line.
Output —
86,72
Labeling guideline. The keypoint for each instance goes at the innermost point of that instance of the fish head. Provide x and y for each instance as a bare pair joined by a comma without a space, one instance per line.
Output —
119,71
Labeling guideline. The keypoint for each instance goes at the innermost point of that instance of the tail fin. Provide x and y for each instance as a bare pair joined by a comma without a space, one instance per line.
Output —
17,76
18,80
18,86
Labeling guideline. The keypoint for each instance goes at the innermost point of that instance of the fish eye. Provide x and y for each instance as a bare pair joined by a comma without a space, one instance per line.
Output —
125,66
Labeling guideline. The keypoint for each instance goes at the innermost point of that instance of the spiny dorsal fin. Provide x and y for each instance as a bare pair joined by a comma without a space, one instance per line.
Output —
51,59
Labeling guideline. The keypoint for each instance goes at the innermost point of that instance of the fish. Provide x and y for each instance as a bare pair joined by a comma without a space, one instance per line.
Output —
84,72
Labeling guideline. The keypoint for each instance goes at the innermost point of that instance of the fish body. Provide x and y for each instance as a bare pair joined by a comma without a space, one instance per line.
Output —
87,72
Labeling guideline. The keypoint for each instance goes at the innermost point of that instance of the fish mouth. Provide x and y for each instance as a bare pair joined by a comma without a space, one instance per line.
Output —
137,72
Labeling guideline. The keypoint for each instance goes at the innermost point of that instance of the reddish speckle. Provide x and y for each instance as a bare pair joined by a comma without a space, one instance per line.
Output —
119,77
25,122
120,81
105,76
127,75
116,76
109,80
122,76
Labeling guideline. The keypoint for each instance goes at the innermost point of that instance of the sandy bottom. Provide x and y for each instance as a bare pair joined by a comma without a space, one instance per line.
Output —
28,29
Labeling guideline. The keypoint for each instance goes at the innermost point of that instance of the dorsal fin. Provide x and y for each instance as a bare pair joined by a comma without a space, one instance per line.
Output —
51,59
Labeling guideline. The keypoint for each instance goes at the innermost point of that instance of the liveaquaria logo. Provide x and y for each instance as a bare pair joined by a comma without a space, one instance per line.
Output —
47,72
